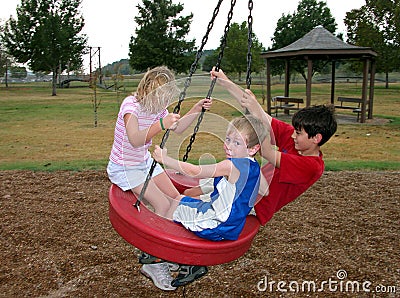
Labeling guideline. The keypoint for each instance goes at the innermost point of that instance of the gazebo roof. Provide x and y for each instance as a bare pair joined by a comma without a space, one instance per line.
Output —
320,41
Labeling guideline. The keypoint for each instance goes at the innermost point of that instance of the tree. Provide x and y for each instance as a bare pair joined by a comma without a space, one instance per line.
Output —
45,35
291,27
160,37
210,60
377,25
4,59
5,63
235,53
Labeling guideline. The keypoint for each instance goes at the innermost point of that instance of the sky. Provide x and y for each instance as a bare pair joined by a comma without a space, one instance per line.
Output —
110,24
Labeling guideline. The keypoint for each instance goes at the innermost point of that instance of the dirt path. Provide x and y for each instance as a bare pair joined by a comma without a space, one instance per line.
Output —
57,241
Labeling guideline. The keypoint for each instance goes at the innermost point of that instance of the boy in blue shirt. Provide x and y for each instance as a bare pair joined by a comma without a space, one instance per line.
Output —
234,188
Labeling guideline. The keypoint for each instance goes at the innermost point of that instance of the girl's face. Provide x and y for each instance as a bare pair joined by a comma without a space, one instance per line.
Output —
235,145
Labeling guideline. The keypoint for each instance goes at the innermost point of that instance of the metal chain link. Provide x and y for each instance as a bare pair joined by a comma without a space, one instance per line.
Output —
217,66
198,56
249,44
182,96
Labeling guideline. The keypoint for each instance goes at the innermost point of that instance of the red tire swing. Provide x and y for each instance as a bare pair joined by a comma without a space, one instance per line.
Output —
166,239
171,241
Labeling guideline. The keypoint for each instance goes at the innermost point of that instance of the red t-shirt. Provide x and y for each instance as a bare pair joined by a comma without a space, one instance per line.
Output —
295,175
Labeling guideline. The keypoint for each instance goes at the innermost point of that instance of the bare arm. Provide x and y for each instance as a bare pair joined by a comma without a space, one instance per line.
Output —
193,113
264,186
223,168
193,192
249,101
140,137
245,98
271,154
225,82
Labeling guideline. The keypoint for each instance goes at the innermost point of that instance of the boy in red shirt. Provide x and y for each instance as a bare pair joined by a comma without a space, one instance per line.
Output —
298,163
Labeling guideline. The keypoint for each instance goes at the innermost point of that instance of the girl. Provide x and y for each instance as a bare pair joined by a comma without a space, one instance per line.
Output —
142,116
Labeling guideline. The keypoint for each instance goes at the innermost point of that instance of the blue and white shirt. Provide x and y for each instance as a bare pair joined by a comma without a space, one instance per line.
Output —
224,216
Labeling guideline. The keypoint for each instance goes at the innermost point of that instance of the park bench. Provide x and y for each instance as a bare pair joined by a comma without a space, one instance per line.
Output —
344,104
286,104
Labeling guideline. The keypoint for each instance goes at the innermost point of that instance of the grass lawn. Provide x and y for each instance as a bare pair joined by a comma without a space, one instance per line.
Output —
39,131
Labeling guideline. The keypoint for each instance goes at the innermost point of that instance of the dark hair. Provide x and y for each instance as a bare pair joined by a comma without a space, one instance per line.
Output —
316,119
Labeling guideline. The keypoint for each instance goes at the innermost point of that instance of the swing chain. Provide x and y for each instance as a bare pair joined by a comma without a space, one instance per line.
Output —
199,53
217,66
193,137
249,44
223,41
182,95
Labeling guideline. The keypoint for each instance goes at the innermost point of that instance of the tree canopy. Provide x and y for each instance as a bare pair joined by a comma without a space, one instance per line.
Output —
377,25
235,54
45,35
160,37
291,27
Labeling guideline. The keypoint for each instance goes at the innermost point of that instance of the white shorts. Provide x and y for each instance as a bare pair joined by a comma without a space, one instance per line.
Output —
128,177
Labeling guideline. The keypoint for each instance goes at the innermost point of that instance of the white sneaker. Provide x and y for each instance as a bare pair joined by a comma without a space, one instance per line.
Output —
173,267
159,274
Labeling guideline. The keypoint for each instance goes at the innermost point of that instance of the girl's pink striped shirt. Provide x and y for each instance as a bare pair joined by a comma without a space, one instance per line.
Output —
122,152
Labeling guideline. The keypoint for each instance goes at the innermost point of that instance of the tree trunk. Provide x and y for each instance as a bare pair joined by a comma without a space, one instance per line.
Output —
54,82
6,74
387,80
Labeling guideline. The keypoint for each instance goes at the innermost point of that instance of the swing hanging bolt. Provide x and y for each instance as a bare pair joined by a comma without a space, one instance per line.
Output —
137,205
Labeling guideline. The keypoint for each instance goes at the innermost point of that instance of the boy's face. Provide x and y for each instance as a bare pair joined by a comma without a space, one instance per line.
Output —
235,145
303,143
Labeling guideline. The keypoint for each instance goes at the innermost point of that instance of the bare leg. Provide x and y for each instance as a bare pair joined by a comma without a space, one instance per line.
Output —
165,184
167,187
173,206
159,200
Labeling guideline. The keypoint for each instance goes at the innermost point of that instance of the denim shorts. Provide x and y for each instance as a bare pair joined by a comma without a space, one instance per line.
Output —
128,177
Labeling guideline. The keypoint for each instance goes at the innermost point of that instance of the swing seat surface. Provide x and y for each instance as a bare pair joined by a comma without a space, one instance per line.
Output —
168,240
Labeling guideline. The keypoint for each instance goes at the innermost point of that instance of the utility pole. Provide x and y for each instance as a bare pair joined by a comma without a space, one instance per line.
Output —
95,51
94,76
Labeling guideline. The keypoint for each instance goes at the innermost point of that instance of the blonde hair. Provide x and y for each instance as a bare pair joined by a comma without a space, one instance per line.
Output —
253,128
156,89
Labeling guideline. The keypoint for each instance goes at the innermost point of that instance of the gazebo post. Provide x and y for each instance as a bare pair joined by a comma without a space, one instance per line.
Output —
333,81
364,90
287,77
268,75
371,89
309,81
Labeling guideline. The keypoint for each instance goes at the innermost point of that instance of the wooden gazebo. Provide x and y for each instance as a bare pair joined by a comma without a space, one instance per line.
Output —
320,44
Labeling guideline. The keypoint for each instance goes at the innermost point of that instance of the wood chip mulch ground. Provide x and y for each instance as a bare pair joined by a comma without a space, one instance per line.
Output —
339,239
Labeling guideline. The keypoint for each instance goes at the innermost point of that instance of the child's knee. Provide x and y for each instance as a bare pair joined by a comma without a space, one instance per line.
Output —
162,209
